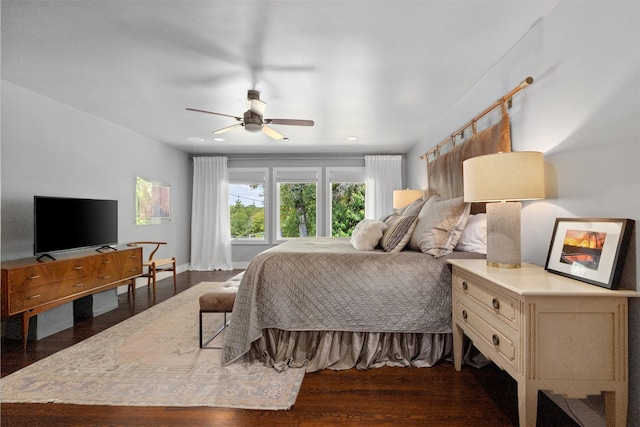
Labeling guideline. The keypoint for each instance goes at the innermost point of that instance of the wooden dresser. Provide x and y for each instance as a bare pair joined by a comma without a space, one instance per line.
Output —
547,331
30,286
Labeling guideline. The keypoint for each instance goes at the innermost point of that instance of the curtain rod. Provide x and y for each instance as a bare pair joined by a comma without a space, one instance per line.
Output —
295,157
473,121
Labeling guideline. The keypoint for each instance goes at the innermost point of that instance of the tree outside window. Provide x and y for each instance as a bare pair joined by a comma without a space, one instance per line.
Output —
297,209
246,203
347,207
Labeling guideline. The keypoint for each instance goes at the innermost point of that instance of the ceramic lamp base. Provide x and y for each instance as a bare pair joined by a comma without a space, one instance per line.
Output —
503,234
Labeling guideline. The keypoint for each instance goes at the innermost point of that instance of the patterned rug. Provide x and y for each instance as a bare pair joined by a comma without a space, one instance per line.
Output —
153,359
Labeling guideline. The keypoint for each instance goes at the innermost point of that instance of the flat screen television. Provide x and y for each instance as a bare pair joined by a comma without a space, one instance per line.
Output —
63,223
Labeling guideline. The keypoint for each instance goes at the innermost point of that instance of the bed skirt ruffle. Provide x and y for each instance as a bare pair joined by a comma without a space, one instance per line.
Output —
317,350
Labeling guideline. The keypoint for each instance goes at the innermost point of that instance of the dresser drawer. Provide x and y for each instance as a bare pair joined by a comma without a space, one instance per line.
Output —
499,345
28,297
28,277
500,304
67,269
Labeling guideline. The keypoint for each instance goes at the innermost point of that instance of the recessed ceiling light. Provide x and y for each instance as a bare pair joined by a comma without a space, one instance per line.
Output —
218,139
195,139
352,138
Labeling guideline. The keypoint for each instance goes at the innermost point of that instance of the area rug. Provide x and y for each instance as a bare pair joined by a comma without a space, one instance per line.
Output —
153,359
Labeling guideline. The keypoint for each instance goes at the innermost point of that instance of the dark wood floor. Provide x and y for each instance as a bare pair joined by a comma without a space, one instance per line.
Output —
436,396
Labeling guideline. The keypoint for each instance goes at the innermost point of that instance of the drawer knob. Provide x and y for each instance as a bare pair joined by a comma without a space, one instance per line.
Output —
496,303
34,296
464,314
78,285
79,267
495,339
464,286
34,277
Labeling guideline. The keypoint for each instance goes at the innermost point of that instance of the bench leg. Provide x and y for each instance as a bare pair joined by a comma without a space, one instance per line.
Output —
218,332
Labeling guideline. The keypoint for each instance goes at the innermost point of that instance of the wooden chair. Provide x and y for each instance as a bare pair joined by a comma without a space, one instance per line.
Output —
155,265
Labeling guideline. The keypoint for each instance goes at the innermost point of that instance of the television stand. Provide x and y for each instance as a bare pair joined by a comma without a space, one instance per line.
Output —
30,286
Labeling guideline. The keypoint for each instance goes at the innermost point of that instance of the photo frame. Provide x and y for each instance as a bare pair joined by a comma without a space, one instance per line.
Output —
591,250
153,201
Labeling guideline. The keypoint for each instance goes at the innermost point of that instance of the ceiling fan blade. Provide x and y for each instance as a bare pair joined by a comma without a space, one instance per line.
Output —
257,106
290,122
211,112
272,132
227,129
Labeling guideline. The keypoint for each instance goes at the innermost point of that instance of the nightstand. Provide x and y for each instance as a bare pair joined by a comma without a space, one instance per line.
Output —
547,331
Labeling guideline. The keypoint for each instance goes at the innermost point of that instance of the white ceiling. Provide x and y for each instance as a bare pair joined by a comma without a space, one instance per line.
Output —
384,71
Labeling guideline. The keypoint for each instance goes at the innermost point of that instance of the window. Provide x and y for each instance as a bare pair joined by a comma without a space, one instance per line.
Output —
296,198
247,204
346,199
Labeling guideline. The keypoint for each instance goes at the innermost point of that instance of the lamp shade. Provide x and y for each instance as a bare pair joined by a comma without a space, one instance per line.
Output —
402,198
504,177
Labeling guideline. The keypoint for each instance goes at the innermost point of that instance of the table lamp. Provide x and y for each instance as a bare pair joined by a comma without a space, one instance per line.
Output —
504,179
402,198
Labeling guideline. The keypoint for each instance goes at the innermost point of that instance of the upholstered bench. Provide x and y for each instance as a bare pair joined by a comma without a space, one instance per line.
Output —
219,299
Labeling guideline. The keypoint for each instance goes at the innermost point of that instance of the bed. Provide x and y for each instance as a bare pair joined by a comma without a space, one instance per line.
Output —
321,303
325,303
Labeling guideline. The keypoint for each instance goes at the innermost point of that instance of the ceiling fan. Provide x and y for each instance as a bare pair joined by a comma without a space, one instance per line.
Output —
253,120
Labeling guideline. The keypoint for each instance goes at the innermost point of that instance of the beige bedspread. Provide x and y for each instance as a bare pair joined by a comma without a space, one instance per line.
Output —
324,284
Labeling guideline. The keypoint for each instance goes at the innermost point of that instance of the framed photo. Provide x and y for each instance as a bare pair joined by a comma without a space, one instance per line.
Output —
590,249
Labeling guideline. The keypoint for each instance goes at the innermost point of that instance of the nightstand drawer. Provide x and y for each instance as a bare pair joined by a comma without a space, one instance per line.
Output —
499,303
499,344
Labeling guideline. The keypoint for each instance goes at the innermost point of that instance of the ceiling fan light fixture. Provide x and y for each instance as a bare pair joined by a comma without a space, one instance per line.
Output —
253,127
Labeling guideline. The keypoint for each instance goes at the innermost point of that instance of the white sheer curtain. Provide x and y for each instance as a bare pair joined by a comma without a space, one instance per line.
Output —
383,175
210,224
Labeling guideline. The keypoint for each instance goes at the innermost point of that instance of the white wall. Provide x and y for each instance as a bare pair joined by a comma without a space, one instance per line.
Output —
51,149
583,112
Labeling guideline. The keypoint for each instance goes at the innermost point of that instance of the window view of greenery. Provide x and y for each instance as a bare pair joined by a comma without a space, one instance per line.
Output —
347,207
297,210
246,202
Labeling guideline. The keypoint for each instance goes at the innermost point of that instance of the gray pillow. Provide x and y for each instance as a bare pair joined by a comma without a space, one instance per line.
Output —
413,208
398,233
440,224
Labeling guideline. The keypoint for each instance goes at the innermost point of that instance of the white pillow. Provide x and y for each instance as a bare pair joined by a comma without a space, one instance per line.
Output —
367,234
474,235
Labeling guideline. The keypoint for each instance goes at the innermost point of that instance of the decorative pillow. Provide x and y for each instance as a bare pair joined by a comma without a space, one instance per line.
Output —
413,208
474,235
387,217
367,234
398,233
440,224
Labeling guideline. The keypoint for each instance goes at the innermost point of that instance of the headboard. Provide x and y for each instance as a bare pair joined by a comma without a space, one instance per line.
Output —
445,171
